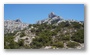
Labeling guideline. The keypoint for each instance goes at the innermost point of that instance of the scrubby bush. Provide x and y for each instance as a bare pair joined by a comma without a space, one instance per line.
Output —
78,36
43,39
67,38
76,25
58,44
72,44
36,45
22,34
9,42
21,43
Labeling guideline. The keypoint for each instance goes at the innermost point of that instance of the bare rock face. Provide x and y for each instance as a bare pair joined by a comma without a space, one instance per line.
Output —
52,18
17,20
55,19
14,25
51,15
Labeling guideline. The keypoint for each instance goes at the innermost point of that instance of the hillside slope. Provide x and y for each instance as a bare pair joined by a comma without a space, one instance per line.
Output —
51,33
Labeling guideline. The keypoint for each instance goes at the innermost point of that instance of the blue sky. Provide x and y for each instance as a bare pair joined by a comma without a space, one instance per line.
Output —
31,13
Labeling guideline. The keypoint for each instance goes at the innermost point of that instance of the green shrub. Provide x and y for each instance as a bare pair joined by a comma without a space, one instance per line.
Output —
66,38
78,36
36,45
76,25
30,25
59,44
9,42
22,34
33,30
72,44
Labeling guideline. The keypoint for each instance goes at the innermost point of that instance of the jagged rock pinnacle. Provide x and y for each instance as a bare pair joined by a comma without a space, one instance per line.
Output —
51,15
17,20
52,18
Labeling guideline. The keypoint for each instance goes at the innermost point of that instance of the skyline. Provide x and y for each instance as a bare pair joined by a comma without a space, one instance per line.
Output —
31,13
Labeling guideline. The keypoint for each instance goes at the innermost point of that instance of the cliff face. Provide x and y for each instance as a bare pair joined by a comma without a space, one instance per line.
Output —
52,18
13,25
55,19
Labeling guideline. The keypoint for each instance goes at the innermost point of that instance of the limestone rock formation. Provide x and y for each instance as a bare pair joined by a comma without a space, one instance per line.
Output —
14,25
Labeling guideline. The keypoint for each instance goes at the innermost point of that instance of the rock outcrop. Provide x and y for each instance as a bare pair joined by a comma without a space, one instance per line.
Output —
55,19
52,18
14,25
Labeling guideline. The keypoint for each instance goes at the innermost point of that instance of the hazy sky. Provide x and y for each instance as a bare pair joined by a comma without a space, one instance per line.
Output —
31,13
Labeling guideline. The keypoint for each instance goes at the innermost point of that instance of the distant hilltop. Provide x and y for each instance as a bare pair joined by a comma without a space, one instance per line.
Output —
14,25
55,19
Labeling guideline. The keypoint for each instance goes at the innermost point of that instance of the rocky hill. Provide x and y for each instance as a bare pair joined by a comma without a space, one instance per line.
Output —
51,33
55,19
14,25
52,18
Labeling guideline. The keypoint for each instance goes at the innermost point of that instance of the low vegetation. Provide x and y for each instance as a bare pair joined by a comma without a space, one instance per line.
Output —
49,35
72,44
